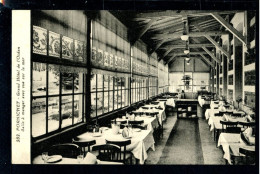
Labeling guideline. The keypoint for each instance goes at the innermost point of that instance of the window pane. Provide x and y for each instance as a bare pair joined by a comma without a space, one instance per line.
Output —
119,101
67,83
106,79
111,83
115,100
123,98
127,97
54,81
78,108
38,117
105,102
93,83
100,82
78,83
99,103
39,83
123,83
93,105
53,112
66,111
111,100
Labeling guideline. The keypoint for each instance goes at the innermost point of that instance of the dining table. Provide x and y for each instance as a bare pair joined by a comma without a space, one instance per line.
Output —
161,115
150,123
231,143
38,160
141,141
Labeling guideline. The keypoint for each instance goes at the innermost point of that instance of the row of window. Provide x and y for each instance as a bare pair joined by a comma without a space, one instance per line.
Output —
57,99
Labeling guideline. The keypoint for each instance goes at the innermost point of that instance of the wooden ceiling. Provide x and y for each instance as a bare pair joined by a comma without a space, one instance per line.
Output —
161,31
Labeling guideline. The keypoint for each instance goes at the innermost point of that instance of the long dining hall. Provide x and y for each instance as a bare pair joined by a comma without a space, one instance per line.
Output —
173,87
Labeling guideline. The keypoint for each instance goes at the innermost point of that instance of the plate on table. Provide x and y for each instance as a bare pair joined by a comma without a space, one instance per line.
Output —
104,128
54,158
137,130
96,134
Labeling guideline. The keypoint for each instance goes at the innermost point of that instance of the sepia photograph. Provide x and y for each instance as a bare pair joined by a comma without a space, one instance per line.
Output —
150,87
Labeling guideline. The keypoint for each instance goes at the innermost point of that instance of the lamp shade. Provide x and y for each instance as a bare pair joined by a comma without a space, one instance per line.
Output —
184,37
186,51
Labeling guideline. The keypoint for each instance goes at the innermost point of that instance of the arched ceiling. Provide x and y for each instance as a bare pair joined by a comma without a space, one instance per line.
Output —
161,31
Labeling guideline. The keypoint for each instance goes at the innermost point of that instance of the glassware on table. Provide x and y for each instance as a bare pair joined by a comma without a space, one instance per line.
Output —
80,158
45,156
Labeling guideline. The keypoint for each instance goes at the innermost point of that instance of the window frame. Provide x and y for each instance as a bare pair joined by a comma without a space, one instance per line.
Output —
59,95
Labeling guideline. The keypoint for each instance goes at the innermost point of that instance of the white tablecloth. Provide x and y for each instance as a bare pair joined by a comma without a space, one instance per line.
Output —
214,121
161,116
201,101
170,102
230,143
140,142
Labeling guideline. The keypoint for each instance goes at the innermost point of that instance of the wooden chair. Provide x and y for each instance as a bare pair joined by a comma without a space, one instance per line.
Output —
226,124
107,152
136,122
237,114
123,155
67,150
249,156
83,144
154,103
233,129
247,124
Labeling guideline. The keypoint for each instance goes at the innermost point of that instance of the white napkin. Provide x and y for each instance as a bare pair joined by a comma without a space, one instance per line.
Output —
248,132
90,159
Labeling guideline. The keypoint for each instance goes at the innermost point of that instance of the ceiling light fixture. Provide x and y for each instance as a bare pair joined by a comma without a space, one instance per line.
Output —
186,51
184,36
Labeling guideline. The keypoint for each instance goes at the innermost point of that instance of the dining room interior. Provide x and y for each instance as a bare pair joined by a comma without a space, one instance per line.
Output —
172,87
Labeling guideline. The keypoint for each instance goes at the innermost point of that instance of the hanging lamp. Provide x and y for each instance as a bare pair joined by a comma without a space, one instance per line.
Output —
184,37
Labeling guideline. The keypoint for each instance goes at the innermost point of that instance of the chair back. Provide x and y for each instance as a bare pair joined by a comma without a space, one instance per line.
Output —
68,150
233,129
122,146
107,152
249,155
237,114
247,124
226,124
136,122
154,103
84,143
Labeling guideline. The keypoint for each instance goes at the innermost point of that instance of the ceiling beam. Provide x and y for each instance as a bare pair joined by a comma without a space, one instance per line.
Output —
191,34
218,46
143,30
172,13
183,54
206,59
211,55
230,28
171,59
190,46
205,49
214,43
165,54
157,46
168,23
191,53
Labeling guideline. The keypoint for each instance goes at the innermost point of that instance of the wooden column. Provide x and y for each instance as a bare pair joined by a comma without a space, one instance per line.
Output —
238,69
225,75
217,67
